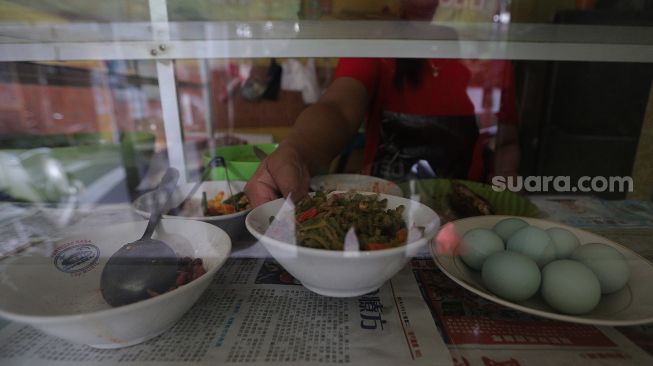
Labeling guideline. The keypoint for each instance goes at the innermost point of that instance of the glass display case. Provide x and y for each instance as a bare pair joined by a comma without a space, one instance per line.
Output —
542,110
157,65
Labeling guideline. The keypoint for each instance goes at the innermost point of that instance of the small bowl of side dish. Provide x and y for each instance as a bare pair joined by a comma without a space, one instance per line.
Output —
358,182
232,220
340,273
57,288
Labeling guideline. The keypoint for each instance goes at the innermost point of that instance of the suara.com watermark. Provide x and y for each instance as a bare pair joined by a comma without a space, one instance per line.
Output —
562,184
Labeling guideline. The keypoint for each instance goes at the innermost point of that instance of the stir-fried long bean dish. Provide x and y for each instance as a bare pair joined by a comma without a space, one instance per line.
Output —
323,221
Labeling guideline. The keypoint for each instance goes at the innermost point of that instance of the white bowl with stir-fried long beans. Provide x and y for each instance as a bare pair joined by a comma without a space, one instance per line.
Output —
345,244
211,203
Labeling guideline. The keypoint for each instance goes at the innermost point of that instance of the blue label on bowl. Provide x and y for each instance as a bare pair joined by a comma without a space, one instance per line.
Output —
78,257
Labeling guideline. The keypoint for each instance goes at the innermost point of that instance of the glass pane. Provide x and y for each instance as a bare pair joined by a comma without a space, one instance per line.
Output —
78,130
321,166
226,10
47,11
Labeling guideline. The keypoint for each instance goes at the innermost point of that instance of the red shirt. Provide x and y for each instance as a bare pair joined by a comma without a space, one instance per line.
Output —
443,91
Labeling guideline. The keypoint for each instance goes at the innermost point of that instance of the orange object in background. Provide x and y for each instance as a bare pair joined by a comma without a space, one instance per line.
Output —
585,4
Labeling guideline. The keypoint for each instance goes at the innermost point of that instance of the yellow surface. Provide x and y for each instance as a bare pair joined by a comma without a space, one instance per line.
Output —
74,10
364,7
12,12
534,11
87,65
233,10
643,166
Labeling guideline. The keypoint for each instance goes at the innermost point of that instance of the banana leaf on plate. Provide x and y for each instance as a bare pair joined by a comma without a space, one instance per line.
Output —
447,197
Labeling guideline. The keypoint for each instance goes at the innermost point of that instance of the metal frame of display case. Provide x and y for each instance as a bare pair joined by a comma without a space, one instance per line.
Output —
164,41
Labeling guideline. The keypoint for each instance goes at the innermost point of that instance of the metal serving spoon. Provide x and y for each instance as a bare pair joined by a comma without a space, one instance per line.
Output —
146,266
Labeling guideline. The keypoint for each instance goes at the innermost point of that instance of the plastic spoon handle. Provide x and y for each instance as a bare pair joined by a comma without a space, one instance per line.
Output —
167,185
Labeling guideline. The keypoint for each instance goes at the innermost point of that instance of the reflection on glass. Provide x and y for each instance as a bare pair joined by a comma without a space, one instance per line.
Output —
83,130
56,11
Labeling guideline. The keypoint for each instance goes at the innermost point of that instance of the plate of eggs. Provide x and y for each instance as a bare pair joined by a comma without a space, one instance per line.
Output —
547,269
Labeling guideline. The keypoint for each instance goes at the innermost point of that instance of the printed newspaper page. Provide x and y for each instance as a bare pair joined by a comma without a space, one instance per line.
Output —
591,212
481,332
255,313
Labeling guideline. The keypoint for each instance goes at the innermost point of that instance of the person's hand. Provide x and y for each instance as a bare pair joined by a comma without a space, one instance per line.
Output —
281,173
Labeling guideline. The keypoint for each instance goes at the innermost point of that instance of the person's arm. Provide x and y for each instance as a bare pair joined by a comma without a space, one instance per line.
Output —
324,129
321,131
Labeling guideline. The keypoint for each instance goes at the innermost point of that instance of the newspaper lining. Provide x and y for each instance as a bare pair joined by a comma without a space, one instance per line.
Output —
253,313
256,313
480,332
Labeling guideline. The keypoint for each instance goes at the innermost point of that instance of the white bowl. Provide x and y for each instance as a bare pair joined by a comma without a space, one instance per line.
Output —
358,182
233,224
57,290
341,273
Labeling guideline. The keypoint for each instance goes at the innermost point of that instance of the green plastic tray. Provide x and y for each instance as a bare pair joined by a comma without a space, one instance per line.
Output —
240,159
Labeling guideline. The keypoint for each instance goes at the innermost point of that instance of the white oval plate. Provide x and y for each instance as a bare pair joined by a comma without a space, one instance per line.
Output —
630,306
359,182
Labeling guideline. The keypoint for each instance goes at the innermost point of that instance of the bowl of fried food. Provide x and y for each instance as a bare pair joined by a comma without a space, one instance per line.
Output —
221,203
343,244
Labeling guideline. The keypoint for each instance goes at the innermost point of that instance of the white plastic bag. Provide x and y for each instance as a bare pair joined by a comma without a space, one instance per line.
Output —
311,88
299,77
292,76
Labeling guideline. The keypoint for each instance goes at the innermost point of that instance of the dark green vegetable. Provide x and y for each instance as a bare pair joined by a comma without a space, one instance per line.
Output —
323,221
235,200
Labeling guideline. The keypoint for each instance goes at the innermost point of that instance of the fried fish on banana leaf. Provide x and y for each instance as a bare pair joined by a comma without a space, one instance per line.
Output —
466,203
